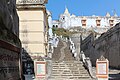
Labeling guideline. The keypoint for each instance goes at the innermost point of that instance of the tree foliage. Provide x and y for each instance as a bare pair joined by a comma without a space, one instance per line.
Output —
61,31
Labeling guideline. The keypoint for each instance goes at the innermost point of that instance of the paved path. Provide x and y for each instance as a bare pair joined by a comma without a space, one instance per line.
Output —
62,51
57,53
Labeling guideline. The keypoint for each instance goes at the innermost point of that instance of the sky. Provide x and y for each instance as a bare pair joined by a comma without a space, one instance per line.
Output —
83,7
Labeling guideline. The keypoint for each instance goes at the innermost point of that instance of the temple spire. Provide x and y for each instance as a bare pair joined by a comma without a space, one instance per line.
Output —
107,14
66,11
115,15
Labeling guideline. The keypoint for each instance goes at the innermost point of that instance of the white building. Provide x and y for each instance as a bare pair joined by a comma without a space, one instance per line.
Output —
50,34
102,23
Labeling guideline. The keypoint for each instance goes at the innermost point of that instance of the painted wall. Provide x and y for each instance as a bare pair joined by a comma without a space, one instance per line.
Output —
33,29
66,20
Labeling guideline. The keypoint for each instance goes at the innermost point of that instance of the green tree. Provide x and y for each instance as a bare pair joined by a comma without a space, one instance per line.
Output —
61,31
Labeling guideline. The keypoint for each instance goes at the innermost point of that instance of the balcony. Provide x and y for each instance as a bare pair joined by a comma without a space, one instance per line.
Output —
33,2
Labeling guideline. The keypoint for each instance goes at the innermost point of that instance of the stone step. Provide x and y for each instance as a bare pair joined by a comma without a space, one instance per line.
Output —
78,75
68,68
58,78
67,62
64,78
59,66
83,73
70,72
73,71
68,79
71,77
69,65
73,64
62,70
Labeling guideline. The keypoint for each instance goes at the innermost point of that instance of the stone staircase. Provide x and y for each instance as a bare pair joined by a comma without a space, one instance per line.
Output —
68,68
56,55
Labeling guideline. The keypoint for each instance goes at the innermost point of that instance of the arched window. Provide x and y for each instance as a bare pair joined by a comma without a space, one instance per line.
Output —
53,26
56,26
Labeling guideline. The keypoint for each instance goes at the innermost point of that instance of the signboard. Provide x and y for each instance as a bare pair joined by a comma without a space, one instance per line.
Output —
102,69
40,69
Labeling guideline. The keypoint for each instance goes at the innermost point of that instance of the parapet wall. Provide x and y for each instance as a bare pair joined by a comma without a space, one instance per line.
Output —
76,40
108,44
10,45
9,61
10,48
8,15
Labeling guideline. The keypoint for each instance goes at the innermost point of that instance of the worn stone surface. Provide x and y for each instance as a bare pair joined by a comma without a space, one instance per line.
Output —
9,65
8,15
76,40
9,22
56,55
9,41
108,45
67,68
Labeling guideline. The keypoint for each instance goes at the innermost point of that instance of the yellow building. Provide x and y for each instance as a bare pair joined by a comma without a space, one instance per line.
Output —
33,26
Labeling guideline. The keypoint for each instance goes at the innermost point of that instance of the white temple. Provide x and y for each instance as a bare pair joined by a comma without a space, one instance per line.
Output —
67,21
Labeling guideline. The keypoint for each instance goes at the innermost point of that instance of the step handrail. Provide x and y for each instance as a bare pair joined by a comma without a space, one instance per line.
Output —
87,63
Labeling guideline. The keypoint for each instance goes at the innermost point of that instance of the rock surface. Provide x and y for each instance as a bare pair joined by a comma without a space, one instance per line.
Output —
8,15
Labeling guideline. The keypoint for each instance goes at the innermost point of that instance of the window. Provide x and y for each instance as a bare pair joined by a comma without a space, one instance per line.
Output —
111,22
83,22
56,26
98,22
63,18
53,26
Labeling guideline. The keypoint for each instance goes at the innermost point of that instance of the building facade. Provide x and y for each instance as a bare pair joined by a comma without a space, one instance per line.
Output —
66,20
33,27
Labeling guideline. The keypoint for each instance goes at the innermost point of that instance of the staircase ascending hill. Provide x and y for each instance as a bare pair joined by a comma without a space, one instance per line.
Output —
67,68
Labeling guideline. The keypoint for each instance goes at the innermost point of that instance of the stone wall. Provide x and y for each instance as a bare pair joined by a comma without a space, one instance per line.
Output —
8,15
108,44
10,45
76,40
9,61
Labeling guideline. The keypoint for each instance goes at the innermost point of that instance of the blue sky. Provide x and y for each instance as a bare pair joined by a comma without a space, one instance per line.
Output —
83,7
